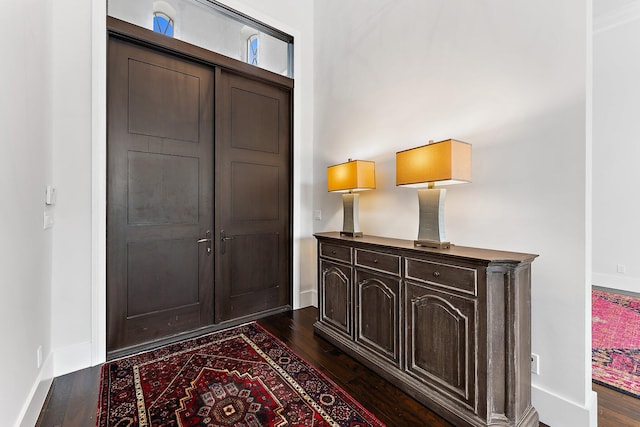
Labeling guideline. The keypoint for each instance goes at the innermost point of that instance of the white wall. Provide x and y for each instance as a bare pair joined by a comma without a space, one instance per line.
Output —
507,77
25,170
71,133
616,152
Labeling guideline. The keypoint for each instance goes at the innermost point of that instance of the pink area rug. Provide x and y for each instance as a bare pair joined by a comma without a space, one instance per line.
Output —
616,341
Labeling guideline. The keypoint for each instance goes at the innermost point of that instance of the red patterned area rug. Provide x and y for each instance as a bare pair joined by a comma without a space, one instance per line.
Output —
238,377
616,342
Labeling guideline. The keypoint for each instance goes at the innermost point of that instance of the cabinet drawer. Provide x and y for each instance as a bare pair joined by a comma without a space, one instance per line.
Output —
449,276
341,253
378,261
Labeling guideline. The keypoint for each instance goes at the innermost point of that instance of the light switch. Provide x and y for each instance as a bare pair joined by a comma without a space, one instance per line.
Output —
317,215
50,195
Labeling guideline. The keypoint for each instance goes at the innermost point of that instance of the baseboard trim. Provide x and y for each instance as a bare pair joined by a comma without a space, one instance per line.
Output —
616,282
558,411
309,298
37,395
593,409
72,358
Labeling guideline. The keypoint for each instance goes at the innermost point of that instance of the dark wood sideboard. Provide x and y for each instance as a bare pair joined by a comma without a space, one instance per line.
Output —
451,327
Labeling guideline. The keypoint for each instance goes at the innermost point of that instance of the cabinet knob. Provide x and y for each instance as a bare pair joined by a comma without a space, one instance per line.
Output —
375,261
333,252
436,274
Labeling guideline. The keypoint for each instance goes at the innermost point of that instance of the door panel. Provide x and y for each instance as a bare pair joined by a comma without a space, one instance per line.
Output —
254,192
254,121
155,111
252,185
163,189
159,195
263,249
152,267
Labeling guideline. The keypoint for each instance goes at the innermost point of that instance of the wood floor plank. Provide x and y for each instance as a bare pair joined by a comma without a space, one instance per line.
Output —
52,414
73,398
616,409
390,404
83,390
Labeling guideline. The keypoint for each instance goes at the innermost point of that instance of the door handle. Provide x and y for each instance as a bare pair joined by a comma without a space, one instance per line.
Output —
223,239
207,240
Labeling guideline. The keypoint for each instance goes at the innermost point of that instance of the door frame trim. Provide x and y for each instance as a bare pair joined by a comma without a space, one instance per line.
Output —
99,170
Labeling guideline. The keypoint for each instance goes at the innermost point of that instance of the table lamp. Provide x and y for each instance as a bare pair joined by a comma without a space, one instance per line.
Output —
348,178
437,163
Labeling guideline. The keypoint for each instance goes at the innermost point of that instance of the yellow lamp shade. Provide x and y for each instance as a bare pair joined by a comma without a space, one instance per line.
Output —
354,175
444,162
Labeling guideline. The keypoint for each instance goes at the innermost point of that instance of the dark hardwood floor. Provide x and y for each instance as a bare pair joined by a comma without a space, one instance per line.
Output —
73,398
616,409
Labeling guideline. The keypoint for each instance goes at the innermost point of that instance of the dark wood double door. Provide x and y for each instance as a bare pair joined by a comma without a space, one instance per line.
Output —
198,196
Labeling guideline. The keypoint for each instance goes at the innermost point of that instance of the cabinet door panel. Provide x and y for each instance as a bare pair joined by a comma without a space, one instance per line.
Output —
441,341
377,313
335,296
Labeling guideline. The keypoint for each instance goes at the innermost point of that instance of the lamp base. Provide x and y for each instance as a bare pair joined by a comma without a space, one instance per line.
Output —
351,233
431,227
350,226
432,244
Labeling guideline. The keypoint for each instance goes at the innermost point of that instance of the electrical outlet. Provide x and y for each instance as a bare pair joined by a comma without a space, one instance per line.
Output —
622,268
317,215
535,363
39,356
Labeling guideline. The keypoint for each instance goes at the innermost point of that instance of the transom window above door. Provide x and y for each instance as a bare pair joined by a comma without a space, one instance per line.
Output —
213,26
162,24
253,47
